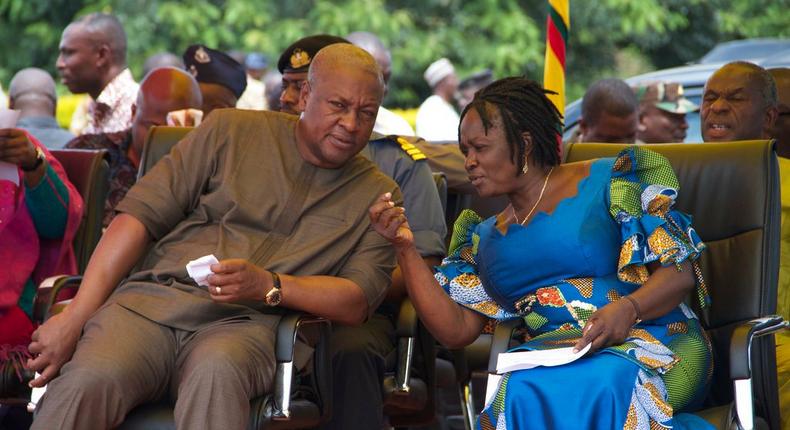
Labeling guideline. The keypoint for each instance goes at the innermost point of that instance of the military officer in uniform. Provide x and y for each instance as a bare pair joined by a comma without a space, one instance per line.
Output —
361,354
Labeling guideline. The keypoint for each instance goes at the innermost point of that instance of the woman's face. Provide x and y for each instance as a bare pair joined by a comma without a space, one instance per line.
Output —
488,162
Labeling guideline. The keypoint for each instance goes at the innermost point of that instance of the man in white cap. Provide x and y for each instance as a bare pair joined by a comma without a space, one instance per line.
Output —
437,119
662,112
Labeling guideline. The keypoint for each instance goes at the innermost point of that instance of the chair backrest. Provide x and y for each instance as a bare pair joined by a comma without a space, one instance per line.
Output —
89,171
732,191
158,143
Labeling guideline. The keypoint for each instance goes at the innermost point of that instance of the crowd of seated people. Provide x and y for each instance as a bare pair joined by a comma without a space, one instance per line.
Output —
314,197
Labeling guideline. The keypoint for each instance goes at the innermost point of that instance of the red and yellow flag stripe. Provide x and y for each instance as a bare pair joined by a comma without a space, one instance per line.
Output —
558,23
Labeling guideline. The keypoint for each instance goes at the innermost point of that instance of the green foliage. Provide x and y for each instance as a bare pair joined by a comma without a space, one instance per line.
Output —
607,37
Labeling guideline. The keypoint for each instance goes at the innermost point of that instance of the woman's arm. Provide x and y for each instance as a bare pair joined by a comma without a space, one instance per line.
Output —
450,323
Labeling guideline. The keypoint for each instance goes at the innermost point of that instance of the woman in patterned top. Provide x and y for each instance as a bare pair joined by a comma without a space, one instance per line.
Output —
586,253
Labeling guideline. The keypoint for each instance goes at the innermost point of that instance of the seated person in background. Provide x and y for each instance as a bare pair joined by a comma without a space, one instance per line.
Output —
281,202
576,280
274,88
254,96
472,84
359,352
609,113
161,91
662,112
781,132
437,119
293,65
221,78
32,93
738,103
40,211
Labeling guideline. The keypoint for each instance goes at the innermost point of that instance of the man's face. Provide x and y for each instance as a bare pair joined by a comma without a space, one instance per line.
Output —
610,129
732,107
78,61
340,110
289,97
660,126
215,96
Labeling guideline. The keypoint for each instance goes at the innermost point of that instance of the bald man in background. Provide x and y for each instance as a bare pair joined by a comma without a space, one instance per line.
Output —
387,122
163,90
32,93
92,60
738,103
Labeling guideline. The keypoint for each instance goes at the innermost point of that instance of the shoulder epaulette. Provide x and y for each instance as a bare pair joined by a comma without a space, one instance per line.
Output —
410,149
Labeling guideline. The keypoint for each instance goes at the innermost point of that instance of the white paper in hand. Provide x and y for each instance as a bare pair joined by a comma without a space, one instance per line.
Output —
520,360
35,396
9,172
200,269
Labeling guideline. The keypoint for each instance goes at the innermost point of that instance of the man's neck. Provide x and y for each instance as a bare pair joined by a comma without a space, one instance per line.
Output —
108,77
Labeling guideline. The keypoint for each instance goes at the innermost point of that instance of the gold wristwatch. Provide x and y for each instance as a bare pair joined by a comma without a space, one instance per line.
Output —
275,295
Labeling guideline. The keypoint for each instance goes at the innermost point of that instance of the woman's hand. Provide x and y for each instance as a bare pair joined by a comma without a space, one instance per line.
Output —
608,326
16,148
390,221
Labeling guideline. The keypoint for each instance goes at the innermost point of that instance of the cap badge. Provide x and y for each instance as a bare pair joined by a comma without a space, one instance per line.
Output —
201,56
299,58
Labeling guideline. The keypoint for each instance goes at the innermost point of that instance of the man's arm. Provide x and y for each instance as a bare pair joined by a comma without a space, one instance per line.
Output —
118,251
334,298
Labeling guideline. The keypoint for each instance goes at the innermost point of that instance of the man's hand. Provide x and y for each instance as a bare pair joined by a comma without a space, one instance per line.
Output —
238,280
16,148
390,221
608,326
52,346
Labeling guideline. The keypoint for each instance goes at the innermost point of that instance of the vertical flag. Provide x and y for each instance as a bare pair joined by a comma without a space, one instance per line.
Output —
558,22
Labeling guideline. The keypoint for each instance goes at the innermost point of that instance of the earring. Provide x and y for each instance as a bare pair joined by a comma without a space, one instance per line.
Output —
525,169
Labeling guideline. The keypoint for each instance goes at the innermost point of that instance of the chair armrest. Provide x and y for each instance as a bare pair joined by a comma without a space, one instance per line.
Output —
406,329
48,292
741,366
287,331
500,343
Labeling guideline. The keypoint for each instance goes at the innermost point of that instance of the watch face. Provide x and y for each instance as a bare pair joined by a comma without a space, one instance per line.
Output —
273,297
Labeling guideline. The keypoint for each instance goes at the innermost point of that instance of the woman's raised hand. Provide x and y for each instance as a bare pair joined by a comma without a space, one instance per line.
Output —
390,221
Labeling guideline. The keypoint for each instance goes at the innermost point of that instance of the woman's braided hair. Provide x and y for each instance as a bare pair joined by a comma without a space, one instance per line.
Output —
523,107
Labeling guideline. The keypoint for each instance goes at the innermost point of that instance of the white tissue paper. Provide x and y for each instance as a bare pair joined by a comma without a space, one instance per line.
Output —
200,269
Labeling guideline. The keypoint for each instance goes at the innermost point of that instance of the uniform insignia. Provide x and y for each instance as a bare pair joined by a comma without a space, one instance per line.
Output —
299,58
201,56
410,149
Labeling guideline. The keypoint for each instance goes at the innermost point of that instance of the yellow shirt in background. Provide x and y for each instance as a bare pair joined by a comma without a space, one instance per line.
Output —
783,299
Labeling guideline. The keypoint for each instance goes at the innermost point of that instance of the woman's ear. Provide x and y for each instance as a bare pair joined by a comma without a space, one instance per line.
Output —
527,138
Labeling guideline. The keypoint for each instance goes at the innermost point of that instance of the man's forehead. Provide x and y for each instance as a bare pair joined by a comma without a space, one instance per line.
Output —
294,76
733,78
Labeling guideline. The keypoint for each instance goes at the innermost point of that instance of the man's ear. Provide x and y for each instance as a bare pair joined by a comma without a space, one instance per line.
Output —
771,114
640,124
103,55
304,94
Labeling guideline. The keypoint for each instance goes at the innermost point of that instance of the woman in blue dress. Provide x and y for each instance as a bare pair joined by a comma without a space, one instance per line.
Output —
587,252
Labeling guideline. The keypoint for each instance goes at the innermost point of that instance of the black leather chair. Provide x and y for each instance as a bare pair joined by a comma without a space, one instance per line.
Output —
732,191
